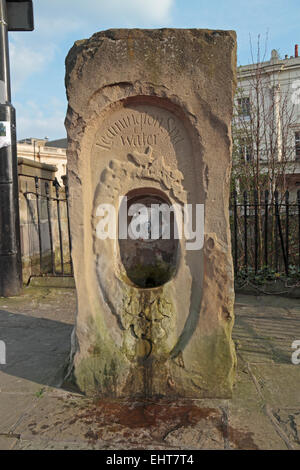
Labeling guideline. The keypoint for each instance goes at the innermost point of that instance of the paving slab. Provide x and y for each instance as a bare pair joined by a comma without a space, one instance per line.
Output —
289,420
75,420
279,383
250,429
8,443
12,409
36,329
245,390
36,413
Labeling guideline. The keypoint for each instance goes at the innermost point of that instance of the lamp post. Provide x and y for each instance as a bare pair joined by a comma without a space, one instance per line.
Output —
14,16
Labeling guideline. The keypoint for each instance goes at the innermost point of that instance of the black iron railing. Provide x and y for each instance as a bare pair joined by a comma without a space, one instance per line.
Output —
53,226
265,231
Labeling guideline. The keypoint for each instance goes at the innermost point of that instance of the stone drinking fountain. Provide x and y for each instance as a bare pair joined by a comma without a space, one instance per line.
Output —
149,123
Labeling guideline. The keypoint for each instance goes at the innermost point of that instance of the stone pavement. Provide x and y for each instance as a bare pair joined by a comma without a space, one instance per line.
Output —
36,414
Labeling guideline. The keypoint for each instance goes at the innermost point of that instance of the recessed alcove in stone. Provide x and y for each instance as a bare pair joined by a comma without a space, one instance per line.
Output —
151,260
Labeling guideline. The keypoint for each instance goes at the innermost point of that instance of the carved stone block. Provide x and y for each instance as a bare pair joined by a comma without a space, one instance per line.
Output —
149,118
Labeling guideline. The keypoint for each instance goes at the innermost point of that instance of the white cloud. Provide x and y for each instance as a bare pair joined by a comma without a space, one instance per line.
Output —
156,11
57,26
31,53
118,12
34,120
26,60
55,19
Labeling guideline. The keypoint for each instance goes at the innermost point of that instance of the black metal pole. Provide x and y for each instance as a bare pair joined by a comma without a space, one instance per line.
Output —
255,231
266,226
245,231
235,232
37,196
50,227
280,232
298,203
287,230
10,253
69,227
56,184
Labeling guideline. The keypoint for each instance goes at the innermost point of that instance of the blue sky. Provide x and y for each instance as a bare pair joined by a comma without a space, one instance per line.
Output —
37,58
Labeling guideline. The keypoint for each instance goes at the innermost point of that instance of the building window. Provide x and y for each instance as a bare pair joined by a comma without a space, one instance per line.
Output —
297,145
245,151
244,106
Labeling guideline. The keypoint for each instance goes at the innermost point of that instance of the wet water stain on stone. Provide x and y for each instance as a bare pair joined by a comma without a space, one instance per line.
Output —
150,415
153,422
241,440
176,424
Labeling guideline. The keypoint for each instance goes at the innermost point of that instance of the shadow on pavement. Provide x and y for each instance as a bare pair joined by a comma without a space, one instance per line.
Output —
37,349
